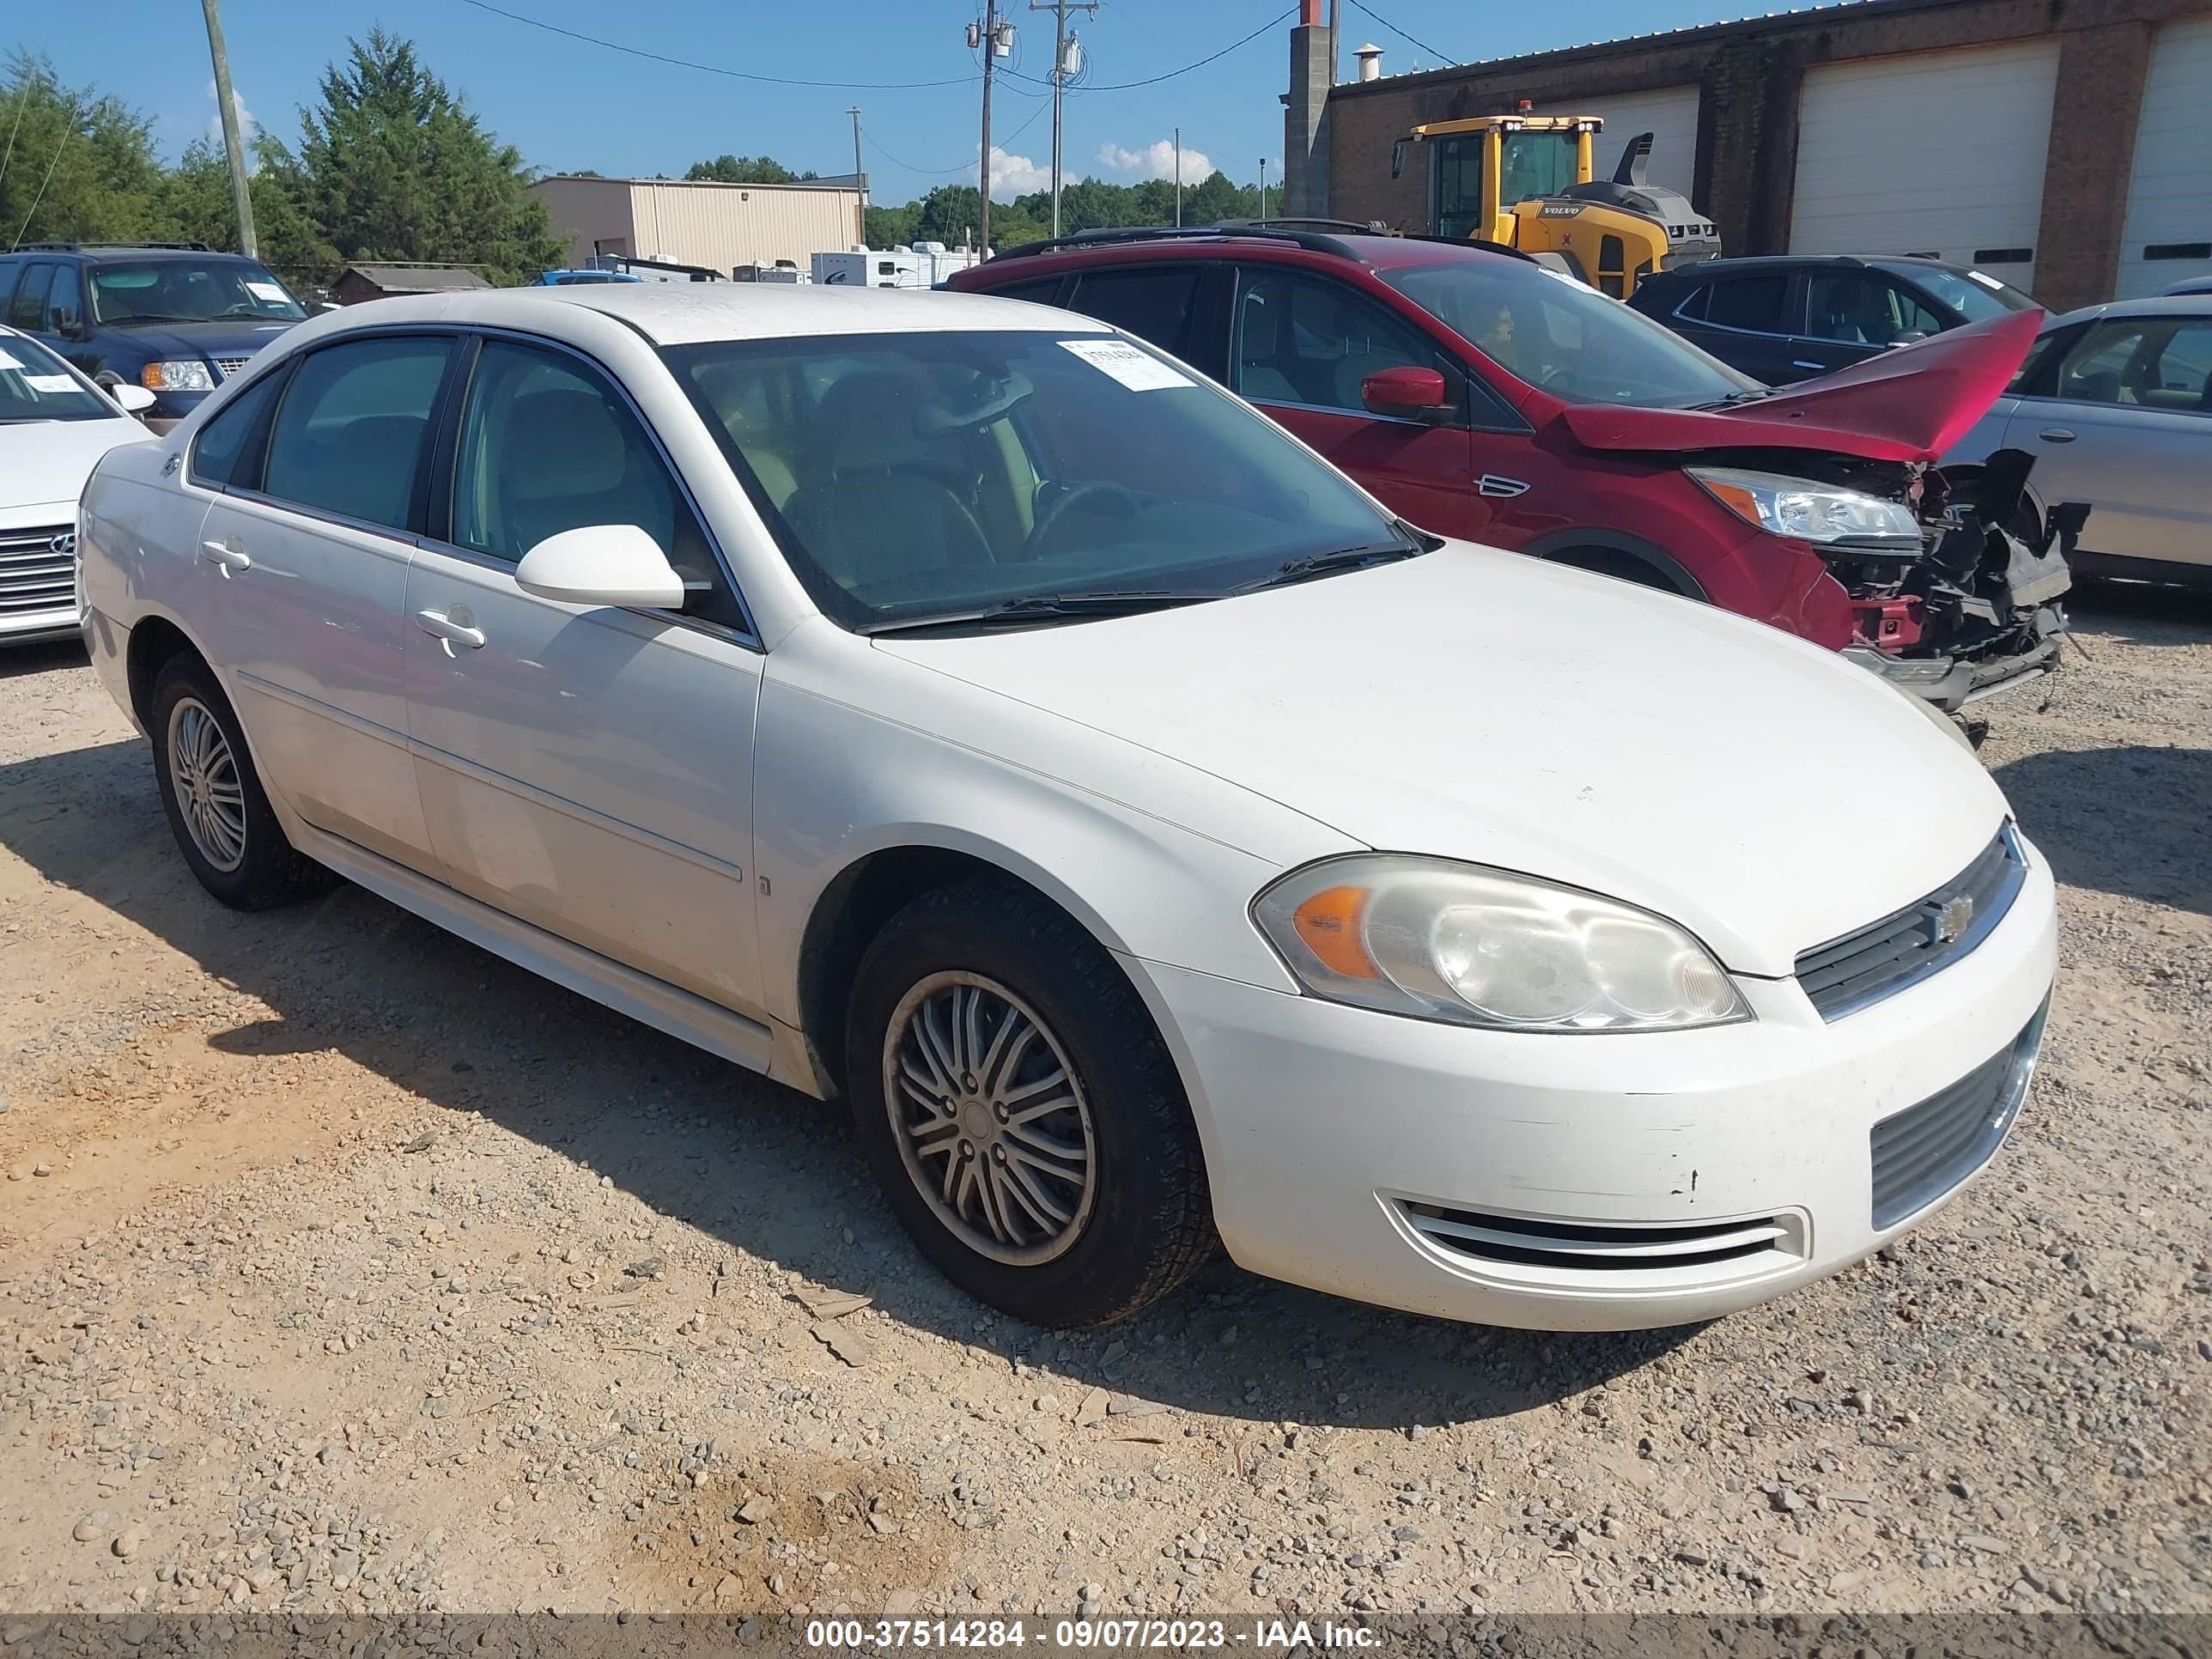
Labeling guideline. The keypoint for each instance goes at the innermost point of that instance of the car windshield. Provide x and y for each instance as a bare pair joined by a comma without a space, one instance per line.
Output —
37,385
1571,340
1973,294
928,476
188,291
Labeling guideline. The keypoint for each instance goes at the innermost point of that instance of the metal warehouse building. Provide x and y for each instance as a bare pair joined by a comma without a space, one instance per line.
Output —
699,222
2064,144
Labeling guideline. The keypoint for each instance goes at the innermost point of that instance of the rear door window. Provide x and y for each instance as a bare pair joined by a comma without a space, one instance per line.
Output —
350,437
1153,302
1753,304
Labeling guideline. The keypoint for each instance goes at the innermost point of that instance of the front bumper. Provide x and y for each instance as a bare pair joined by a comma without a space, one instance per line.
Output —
1598,1183
1952,682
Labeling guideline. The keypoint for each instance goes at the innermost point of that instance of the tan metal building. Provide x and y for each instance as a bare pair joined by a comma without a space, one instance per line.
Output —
700,223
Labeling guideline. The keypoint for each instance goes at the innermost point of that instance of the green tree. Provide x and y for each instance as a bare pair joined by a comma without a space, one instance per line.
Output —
194,205
393,165
81,164
747,170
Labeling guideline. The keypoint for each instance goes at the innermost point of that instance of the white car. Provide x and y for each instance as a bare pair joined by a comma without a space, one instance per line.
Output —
956,705
54,424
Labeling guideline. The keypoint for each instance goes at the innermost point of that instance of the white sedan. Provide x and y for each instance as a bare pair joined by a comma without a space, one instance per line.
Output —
955,705
54,424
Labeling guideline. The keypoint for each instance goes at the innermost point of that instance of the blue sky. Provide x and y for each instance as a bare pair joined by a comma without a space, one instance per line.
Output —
567,105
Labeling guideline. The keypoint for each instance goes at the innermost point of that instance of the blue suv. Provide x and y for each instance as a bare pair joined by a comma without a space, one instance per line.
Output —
176,319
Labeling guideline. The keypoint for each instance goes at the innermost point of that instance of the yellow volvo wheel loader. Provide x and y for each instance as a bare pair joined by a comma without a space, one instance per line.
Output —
1523,180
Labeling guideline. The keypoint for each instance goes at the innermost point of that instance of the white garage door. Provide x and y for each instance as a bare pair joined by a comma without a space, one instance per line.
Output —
2169,225
1670,116
1934,152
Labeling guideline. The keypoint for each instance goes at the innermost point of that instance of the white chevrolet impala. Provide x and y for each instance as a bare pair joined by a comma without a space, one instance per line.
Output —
956,706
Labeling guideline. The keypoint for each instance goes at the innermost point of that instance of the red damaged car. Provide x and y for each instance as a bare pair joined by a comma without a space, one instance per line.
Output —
1482,396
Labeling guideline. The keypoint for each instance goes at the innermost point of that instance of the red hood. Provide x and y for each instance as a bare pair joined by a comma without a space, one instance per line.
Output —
1910,405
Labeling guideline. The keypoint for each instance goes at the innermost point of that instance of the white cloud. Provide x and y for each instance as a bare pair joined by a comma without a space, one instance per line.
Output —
1157,160
248,128
1015,176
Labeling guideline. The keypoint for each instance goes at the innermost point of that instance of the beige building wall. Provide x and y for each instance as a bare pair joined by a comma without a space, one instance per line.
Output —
716,225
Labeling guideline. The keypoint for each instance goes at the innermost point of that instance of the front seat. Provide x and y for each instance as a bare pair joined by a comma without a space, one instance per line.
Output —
564,463
875,517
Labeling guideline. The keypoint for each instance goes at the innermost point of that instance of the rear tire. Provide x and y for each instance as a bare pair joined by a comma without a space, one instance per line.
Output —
216,807
1020,1111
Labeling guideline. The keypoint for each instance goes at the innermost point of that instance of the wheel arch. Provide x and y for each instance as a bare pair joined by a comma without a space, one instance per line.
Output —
154,640
1591,548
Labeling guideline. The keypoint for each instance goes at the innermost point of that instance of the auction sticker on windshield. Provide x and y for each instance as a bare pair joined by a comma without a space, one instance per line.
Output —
49,382
1137,370
268,291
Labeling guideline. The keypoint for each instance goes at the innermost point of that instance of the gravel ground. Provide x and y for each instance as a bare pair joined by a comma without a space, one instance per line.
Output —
344,1268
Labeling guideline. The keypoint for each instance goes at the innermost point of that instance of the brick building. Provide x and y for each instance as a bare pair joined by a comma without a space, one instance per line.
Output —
2065,144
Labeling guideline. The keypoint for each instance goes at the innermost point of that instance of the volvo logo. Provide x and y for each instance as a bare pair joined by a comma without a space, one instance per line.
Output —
1954,918
65,544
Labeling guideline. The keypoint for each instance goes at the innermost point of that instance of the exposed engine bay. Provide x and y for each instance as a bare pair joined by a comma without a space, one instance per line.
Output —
1977,607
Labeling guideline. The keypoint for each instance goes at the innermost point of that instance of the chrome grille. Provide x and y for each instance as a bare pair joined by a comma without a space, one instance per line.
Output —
1520,1242
230,366
32,575
1882,958
1925,1150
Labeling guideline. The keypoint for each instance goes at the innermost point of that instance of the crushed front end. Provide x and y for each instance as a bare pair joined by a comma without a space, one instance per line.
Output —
1977,608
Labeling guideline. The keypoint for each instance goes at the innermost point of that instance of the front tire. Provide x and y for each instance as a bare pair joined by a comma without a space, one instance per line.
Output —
216,807
1020,1112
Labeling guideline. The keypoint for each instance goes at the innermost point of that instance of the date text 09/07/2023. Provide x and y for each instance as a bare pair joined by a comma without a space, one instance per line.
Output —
989,1635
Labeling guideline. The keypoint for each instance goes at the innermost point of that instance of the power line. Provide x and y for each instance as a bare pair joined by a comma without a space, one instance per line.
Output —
713,68
1154,80
1402,35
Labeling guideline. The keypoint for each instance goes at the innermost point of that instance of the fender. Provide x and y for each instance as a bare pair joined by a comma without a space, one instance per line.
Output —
1661,564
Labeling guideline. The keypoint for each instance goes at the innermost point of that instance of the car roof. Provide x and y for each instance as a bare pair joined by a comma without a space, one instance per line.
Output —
1750,261
2157,304
1377,250
688,313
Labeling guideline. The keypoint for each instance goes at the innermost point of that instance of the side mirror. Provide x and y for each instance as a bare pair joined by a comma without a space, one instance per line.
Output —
613,564
134,399
65,323
1414,394
1397,158
1908,337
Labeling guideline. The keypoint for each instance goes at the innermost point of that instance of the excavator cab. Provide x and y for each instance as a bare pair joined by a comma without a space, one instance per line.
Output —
1525,181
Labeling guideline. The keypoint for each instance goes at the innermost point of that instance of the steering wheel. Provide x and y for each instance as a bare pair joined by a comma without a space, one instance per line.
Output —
1047,520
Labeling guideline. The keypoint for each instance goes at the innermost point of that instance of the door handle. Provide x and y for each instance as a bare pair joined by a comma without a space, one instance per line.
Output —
2056,434
223,553
1799,362
453,629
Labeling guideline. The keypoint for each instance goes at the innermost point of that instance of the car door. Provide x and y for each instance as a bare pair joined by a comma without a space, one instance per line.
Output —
1740,317
303,570
2125,424
587,770
1300,344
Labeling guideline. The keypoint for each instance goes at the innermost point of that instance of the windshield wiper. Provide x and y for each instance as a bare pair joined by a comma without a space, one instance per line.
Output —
146,317
1037,608
1326,564
1734,398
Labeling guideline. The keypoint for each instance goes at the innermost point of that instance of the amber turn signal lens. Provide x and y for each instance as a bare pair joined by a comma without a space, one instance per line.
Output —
1327,925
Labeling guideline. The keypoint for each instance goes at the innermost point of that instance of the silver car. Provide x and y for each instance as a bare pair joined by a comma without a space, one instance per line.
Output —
2115,402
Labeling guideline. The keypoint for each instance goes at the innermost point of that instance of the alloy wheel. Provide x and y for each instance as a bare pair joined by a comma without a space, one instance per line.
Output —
210,794
991,1119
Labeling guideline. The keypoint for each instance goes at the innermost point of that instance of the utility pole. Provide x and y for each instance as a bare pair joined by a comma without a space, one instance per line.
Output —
997,39
1178,131
859,177
233,145
1060,9
1263,186
1335,34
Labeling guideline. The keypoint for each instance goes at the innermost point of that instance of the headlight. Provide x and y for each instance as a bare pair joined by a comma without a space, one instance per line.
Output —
1811,512
176,376
1480,947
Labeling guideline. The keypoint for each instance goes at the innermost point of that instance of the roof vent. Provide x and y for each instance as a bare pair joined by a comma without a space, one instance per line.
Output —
1370,62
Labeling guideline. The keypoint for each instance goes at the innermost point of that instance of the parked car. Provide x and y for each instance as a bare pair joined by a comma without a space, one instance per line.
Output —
174,317
1793,317
2115,402
1484,396
54,424
2193,285
965,709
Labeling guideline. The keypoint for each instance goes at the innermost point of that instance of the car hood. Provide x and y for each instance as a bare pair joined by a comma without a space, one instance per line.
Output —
1909,404
234,337
44,464
1491,707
